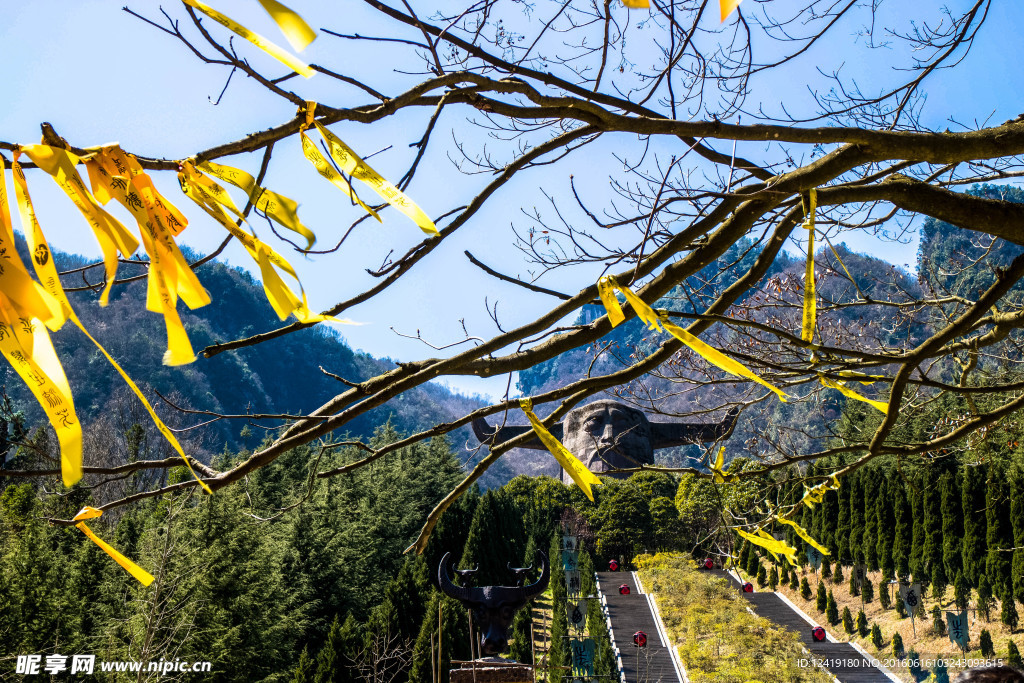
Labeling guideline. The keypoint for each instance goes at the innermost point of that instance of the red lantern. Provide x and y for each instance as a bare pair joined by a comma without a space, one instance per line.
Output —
748,587
818,633
640,639
624,589
613,565
709,563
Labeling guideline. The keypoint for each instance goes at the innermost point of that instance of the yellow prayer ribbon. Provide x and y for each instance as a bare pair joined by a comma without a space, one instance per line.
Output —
112,236
815,494
119,175
256,39
802,533
349,162
810,303
850,393
636,4
770,544
727,7
657,321
140,574
294,27
278,207
866,380
25,342
213,199
719,469
583,477
46,270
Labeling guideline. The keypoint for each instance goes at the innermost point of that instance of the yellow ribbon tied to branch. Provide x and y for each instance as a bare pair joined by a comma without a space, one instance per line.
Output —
115,174
295,29
214,200
583,477
46,270
841,387
802,533
349,162
606,287
140,574
277,207
636,4
719,469
810,303
816,494
770,544
727,7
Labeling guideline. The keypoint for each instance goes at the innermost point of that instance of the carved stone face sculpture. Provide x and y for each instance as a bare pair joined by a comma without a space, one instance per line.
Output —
608,435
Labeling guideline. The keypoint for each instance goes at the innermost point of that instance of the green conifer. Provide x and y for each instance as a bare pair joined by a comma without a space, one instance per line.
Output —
876,637
837,573
794,583
952,525
826,569
883,594
1017,522
984,596
805,589
904,529
862,624
1013,655
773,579
1008,615
897,645
961,591
854,590
972,549
832,609
762,576
867,590
999,534
848,621
886,520
985,643
938,621
821,600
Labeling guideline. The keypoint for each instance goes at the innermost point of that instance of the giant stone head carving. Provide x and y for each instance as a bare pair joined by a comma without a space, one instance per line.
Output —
607,435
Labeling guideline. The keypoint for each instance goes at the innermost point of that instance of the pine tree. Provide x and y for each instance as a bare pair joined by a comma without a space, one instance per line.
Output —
876,637
961,591
972,552
837,574
821,600
848,621
1017,522
305,669
867,590
918,532
856,504
1008,615
999,534
886,520
762,576
794,584
745,554
521,648
337,658
826,569
897,645
784,575
883,594
952,525
869,542
805,589
752,566
862,624
773,579
938,621
903,539
901,609
832,609
854,590
842,543
932,547
558,648
984,596
985,643
1013,655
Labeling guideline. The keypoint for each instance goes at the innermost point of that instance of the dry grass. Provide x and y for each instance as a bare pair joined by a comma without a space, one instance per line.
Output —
717,637
926,643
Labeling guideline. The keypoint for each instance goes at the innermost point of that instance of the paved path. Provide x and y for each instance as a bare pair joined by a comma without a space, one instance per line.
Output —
628,614
845,662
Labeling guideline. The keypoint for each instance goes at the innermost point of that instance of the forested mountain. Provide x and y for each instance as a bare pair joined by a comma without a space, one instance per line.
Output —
282,376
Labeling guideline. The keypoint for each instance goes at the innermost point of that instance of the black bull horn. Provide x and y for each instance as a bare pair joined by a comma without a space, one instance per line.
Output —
663,434
493,596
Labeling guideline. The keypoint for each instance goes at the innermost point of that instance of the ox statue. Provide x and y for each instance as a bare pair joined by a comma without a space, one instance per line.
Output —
493,606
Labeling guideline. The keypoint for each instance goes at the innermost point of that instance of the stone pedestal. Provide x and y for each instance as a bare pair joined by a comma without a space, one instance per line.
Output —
492,670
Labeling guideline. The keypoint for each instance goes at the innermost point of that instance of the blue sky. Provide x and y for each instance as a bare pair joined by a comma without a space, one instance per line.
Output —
100,75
